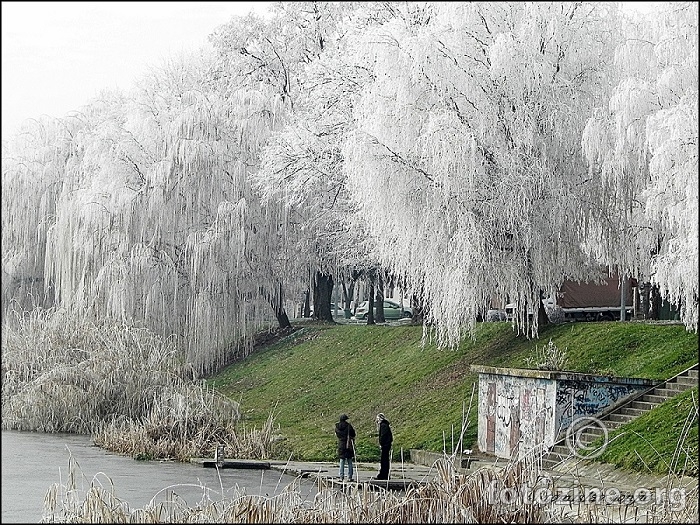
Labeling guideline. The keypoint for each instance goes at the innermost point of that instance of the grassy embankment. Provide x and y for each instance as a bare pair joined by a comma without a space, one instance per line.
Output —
318,372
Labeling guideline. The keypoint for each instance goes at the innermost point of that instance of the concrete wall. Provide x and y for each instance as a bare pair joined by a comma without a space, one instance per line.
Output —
521,409
586,397
515,414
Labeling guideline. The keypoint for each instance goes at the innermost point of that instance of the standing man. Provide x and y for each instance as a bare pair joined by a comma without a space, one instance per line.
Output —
346,446
385,441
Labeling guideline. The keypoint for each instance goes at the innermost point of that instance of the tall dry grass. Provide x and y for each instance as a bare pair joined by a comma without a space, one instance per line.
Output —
449,497
128,387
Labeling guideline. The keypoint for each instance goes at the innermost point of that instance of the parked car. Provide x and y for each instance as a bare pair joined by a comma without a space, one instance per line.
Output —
392,310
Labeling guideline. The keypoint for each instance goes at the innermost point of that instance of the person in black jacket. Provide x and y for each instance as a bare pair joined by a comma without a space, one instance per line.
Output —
385,440
346,446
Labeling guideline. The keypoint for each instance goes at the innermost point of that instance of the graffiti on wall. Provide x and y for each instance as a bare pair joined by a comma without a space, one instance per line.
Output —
582,398
520,413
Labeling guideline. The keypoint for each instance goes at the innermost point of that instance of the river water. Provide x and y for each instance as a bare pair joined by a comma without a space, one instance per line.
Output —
32,462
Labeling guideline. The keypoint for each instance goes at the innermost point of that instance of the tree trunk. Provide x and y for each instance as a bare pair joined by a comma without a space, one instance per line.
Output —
379,303
419,310
323,291
370,310
280,314
655,300
644,300
283,319
276,301
307,305
348,292
542,317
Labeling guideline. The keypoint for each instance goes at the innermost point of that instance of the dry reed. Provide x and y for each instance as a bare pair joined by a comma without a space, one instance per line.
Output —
448,497
127,386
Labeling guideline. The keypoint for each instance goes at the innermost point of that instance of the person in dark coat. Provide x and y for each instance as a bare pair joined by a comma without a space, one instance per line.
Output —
346,446
385,440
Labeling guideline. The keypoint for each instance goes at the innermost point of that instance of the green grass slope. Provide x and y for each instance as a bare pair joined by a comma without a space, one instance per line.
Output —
662,440
320,371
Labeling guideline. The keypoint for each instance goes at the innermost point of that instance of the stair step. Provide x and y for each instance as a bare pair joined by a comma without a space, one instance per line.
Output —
620,418
678,387
642,405
635,412
612,425
687,380
550,461
652,398
560,450
693,372
682,387
586,438
666,392
593,432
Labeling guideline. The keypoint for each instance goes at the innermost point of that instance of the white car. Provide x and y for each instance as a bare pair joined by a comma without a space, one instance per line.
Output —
392,310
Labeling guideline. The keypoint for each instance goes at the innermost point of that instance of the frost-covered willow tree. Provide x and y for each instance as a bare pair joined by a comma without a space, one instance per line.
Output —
642,149
253,56
155,218
302,165
86,239
281,52
211,148
157,223
470,133
33,164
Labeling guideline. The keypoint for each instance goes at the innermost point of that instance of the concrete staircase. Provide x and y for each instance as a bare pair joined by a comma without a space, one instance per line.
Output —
624,413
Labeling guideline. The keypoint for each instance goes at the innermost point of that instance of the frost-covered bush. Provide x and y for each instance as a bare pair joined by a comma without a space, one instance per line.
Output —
549,357
555,314
493,316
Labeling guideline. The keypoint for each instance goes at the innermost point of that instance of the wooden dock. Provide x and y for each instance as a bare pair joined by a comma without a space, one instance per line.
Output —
220,461
403,479
235,463
301,472
401,484
325,474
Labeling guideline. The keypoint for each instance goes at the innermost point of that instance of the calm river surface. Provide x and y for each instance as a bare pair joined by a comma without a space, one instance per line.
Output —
32,462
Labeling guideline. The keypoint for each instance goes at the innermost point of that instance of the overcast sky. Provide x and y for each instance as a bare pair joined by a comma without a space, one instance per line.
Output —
56,56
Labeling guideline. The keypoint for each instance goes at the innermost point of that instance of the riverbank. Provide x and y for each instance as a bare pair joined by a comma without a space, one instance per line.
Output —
103,485
573,490
584,475
319,371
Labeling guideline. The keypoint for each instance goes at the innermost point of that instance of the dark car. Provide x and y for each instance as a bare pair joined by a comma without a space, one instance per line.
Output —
392,310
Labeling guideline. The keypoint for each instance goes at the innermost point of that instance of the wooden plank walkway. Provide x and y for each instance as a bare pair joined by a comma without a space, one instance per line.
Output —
325,474
235,463
386,484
